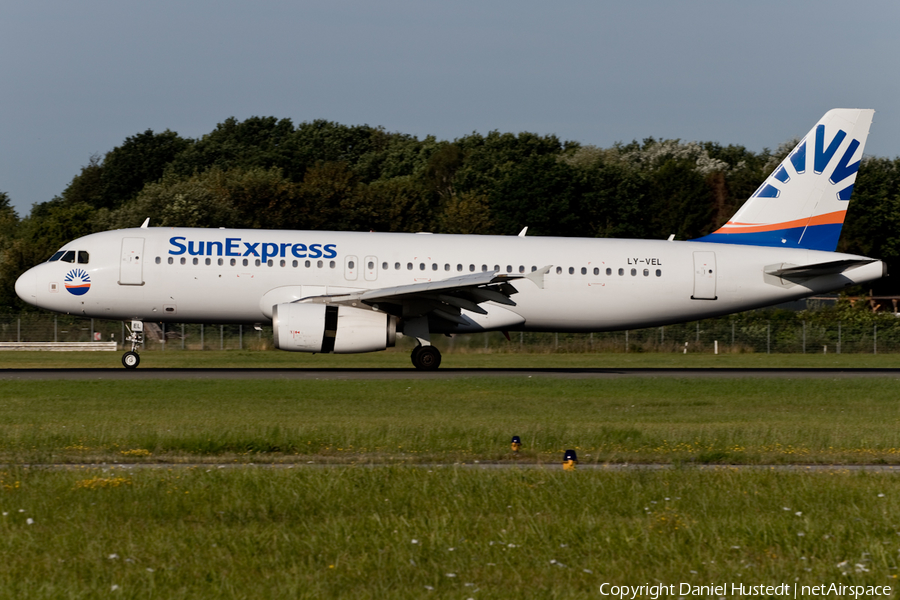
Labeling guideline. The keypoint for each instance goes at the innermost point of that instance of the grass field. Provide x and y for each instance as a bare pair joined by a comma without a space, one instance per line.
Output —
635,419
388,510
356,532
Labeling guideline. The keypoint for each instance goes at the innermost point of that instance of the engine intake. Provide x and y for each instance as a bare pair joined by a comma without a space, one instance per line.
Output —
300,327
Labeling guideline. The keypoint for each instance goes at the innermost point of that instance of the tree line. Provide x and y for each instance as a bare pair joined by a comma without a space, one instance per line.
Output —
265,172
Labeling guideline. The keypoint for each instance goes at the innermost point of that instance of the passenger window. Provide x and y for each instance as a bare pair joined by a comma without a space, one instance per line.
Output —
158,260
521,268
331,264
434,266
471,268
533,268
307,264
658,273
384,266
571,270
497,268
458,268
396,266
68,257
82,257
245,262
633,272
371,265
421,266
483,268
295,264
256,262
183,260
233,261
350,264
171,260
320,264
583,270
56,256
646,272
196,260
221,261
621,271
409,266
446,267
282,263
559,270
609,271
208,261
509,268
596,271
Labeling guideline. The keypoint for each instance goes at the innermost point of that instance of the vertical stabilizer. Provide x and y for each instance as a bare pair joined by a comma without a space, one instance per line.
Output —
802,204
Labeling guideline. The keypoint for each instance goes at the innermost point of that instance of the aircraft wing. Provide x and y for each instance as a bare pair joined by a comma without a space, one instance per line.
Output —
444,298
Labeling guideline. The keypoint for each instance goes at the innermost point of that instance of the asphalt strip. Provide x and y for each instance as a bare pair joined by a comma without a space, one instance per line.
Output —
121,374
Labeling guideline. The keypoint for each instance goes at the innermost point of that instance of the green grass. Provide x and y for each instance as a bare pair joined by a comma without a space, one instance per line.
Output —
357,532
399,359
645,419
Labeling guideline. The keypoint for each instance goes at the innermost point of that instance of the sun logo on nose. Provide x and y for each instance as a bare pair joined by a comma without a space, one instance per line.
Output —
77,282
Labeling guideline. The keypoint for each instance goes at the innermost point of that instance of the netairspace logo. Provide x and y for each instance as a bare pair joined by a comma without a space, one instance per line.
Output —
261,250
77,282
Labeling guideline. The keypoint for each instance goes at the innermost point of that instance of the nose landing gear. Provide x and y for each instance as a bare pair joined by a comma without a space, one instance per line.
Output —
131,359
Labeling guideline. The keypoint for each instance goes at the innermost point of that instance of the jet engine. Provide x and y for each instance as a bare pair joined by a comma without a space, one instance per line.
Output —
300,327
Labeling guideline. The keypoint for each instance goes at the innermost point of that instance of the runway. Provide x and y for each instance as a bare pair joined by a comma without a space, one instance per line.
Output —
121,374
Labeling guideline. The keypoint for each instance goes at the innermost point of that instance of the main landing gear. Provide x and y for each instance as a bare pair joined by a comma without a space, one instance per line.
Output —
131,359
426,358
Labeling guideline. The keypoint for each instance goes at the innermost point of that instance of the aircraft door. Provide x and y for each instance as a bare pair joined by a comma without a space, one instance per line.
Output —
704,276
371,267
351,268
131,271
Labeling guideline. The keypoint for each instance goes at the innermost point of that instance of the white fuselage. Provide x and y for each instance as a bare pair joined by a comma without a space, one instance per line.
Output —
212,275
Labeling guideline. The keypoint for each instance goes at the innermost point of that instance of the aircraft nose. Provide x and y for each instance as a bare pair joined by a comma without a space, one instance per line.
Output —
26,286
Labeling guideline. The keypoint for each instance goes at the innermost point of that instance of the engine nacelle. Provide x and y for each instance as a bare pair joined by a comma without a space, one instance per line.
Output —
300,327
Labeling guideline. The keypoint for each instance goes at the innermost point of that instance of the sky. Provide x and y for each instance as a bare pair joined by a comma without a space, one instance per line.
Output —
77,78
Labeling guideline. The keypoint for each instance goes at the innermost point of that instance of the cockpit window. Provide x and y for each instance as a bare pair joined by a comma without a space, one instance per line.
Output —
56,256
82,257
68,257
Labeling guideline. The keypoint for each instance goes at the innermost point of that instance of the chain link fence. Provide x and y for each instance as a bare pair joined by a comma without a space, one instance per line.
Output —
779,334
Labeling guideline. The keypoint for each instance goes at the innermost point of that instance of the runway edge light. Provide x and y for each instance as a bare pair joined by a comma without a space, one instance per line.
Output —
516,443
570,460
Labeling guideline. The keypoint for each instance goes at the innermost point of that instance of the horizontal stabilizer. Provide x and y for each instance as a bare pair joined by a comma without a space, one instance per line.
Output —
835,267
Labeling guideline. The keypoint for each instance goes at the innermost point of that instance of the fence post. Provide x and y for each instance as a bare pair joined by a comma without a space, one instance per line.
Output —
182,336
804,336
163,339
92,330
556,340
19,329
221,337
626,340
240,337
839,338
202,344
698,332
55,338
874,339
732,335
122,339
768,338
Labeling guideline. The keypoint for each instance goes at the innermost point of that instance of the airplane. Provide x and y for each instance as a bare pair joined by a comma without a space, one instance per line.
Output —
350,292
